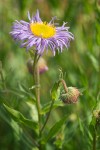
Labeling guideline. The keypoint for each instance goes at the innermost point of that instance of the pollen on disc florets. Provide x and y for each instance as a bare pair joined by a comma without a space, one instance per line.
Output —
43,30
41,35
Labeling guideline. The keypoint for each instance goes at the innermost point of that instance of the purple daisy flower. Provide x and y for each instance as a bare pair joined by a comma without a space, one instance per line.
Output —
42,35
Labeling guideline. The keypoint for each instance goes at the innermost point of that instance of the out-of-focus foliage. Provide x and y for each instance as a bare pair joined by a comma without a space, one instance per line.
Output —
80,64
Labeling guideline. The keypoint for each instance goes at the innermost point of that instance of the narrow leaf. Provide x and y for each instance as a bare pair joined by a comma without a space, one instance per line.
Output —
94,61
45,109
16,92
54,130
17,116
54,93
92,125
81,126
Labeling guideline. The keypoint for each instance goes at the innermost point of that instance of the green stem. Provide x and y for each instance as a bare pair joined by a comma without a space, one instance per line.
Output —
47,116
37,82
36,78
64,85
66,89
34,65
94,138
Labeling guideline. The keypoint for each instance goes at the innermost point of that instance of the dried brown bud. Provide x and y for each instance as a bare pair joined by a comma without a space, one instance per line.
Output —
71,96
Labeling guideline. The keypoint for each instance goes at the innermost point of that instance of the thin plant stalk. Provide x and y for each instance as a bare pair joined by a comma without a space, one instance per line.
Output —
94,137
47,116
36,79
64,85
37,82
66,89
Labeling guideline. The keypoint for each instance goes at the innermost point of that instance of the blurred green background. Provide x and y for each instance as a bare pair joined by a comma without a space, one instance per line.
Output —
80,64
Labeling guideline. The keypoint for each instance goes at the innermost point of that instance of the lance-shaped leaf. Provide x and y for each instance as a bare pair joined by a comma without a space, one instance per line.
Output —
54,130
54,91
81,126
45,109
17,116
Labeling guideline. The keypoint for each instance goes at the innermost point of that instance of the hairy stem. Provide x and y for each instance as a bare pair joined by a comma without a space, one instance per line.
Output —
64,85
36,78
37,82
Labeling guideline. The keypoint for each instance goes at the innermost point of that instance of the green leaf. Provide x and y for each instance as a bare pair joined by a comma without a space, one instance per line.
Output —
94,61
81,126
54,130
27,96
26,91
92,125
82,90
54,91
93,122
17,116
45,109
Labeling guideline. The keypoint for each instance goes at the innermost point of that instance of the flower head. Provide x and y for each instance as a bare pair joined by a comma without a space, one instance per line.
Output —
71,96
41,35
96,115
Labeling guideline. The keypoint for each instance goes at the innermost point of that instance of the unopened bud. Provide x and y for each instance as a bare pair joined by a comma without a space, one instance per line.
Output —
71,96
96,114
41,64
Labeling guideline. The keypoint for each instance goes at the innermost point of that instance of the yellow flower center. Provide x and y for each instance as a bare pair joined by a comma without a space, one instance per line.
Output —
43,30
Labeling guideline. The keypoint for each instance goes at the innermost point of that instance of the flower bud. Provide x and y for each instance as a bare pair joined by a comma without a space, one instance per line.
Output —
41,64
71,96
96,114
